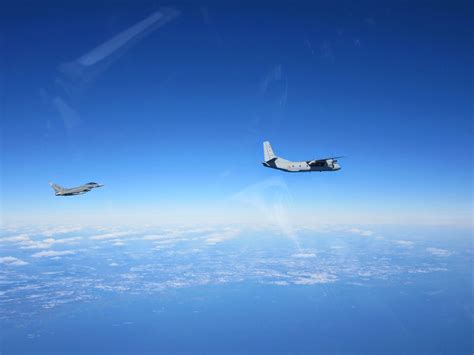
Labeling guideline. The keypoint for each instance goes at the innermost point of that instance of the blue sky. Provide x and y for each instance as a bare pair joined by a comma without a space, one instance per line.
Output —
173,124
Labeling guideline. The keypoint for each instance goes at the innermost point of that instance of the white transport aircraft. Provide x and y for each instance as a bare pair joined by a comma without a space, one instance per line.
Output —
272,161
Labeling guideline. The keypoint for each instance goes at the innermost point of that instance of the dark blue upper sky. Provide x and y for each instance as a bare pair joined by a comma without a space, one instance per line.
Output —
177,118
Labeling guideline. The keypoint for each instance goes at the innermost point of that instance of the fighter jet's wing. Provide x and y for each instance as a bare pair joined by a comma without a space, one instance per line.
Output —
81,190
319,161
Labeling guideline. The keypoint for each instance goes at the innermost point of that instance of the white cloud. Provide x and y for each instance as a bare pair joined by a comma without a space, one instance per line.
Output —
11,260
16,238
52,253
183,230
304,255
218,237
279,283
404,243
169,241
156,237
47,243
60,230
438,252
311,279
361,232
25,242
111,235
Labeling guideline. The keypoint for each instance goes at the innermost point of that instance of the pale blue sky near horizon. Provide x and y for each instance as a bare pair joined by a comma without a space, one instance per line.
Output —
176,120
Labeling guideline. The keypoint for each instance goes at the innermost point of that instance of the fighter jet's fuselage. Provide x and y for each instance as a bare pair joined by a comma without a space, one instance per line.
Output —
71,192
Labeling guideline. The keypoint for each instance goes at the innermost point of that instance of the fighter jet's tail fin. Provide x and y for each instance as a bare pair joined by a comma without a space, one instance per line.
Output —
268,151
56,188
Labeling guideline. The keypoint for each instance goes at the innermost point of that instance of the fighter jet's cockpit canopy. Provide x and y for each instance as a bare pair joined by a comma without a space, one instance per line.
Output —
92,183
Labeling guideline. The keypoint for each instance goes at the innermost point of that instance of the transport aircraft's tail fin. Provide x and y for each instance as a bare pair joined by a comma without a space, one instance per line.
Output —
268,152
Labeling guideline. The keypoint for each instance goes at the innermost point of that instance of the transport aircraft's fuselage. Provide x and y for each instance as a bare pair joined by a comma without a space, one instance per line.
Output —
301,166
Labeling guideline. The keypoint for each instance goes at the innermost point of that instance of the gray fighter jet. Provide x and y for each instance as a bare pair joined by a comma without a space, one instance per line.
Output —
61,191
272,161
